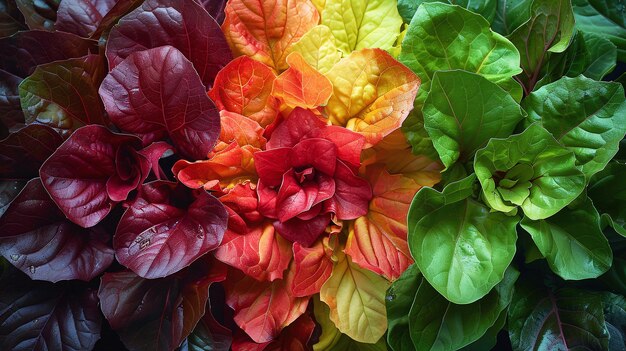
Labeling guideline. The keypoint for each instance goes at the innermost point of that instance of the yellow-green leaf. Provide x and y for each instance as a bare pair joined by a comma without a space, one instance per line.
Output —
318,48
356,298
358,24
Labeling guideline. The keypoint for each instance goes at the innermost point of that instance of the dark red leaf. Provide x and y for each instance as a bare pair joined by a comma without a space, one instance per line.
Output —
11,114
22,52
82,17
167,228
157,93
352,193
11,19
39,14
121,8
64,95
156,314
299,125
8,191
184,25
91,171
24,151
215,8
43,316
38,239
153,153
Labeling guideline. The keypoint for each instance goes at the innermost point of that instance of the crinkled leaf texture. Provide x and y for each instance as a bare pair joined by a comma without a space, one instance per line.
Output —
263,309
446,37
167,227
38,239
530,170
156,93
156,314
372,93
465,258
251,31
463,111
22,52
356,298
23,152
566,319
184,25
82,17
586,116
43,316
92,171
575,249
64,95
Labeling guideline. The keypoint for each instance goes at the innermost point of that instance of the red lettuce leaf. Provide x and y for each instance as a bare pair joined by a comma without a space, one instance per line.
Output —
64,95
168,227
22,52
11,115
38,239
312,267
91,171
9,189
121,8
156,314
293,338
82,17
157,93
215,8
24,151
43,316
184,25
11,19
39,14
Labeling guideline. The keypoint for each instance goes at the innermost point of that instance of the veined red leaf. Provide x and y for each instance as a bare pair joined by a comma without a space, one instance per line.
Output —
261,253
22,52
39,14
184,25
82,17
378,241
121,8
166,99
91,171
240,129
215,8
24,151
293,338
312,267
38,239
168,227
244,86
301,85
43,316
11,115
64,95
155,314
249,31
262,309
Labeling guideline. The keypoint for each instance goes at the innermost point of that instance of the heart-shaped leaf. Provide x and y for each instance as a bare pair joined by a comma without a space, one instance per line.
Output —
172,102
38,239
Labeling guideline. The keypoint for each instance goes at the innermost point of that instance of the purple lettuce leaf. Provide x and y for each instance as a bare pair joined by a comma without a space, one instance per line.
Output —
82,17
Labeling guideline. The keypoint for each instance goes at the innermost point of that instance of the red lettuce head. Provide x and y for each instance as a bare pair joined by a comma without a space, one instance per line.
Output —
308,174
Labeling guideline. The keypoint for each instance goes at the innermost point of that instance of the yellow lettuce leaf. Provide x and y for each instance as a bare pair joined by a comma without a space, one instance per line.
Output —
318,48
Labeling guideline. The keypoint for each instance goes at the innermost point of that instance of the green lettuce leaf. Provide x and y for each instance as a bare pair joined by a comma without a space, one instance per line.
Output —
511,14
464,258
485,8
608,192
530,170
437,324
572,241
446,37
542,319
463,111
399,299
549,29
586,116
615,318
358,24
605,18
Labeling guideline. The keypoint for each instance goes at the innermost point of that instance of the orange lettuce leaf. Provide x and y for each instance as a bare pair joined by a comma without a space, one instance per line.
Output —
372,93
244,86
301,85
262,309
378,241
293,338
356,298
312,267
318,48
261,253
265,30
240,129
229,167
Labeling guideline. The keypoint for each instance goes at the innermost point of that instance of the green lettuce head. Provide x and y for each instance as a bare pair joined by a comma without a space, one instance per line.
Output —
530,170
